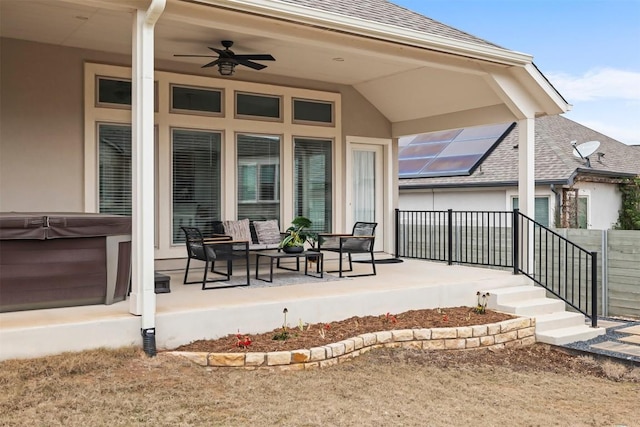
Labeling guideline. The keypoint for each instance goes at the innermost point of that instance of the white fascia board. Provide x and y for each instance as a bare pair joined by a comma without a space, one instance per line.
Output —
548,88
391,33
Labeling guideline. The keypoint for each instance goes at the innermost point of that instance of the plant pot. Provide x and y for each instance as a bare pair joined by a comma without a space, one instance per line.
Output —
293,249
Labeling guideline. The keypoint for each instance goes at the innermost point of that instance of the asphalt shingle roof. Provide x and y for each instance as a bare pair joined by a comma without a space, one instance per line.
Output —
554,159
385,12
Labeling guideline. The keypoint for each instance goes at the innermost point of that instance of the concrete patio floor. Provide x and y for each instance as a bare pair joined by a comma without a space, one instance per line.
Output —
188,313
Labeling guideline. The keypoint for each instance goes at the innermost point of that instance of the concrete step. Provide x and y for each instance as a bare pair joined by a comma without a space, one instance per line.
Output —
559,320
504,296
568,335
531,307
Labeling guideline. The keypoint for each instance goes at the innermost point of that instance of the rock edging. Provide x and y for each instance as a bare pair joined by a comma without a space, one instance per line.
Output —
505,334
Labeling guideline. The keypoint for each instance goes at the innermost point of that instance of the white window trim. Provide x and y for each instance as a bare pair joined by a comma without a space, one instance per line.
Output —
228,124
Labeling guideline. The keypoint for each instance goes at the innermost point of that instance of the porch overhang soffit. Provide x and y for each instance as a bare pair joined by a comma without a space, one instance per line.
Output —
420,82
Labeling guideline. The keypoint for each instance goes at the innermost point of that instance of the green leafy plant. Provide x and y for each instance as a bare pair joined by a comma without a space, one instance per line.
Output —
298,233
283,335
629,213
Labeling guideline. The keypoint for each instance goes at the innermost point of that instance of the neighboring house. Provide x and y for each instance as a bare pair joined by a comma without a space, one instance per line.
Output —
99,115
570,192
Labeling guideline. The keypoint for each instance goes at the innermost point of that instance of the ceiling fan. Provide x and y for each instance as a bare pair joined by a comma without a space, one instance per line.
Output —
227,59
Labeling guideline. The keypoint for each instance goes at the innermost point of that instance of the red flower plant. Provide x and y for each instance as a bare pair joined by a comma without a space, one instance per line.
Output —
445,318
243,341
390,318
327,326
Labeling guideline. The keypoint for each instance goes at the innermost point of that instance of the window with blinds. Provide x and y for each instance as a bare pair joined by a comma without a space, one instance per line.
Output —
258,176
114,157
196,180
541,209
312,182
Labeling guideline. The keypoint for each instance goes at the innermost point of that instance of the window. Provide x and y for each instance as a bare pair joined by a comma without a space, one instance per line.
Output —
114,91
114,157
312,111
258,106
196,180
191,100
258,176
312,182
541,209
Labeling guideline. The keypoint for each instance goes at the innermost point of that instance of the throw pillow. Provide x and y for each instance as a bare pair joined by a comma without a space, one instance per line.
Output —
268,232
238,230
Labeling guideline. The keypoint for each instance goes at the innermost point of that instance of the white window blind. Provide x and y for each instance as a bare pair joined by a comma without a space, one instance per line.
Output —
313,183
195,180
258,176
114,168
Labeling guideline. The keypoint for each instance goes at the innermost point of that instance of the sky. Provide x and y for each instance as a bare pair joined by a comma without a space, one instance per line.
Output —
588,49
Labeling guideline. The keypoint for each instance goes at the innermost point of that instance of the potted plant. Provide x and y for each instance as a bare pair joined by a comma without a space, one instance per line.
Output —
297,235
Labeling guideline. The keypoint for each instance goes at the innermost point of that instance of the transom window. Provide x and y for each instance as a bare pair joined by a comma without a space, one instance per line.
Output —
254,106
114,92
193,100
316,112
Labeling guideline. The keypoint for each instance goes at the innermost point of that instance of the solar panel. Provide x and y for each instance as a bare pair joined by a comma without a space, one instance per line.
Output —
452,152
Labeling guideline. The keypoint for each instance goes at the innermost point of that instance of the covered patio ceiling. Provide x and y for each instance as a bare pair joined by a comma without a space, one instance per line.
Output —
419,82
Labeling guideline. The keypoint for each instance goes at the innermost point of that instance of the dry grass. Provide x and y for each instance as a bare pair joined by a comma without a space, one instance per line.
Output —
531,386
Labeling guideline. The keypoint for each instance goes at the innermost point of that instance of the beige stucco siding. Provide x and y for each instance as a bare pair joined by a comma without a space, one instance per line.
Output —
42,121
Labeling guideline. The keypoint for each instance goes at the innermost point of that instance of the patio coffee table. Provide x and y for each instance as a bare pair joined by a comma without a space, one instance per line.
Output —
306,255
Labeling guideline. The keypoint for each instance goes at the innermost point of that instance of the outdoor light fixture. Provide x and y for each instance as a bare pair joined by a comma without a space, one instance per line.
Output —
226,67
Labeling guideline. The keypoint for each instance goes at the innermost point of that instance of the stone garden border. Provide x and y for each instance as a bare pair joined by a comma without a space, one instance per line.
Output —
505,334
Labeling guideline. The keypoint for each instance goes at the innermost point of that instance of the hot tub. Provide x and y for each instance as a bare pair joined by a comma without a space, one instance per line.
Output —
63,259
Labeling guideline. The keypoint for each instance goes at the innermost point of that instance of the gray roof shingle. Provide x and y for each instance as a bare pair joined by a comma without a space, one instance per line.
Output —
385,12
554,159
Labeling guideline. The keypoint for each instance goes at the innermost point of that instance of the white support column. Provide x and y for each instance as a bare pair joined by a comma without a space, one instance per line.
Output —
143,298
526,185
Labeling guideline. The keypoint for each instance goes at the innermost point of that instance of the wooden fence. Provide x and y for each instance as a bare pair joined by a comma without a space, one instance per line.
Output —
619,267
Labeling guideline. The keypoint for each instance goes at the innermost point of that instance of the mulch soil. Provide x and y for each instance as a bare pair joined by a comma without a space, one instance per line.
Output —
315,335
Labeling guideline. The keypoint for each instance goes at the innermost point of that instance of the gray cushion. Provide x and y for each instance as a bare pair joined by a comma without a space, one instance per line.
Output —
268,232
238,230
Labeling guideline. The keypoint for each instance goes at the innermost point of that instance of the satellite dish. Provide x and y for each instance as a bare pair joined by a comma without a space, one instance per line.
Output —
586,149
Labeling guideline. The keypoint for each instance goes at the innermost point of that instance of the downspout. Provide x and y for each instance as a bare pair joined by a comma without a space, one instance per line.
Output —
143,298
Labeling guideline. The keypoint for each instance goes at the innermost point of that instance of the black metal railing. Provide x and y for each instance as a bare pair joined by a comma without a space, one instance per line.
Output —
500,239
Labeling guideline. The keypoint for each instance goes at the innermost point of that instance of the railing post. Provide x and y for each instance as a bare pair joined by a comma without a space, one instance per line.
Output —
450,236
397,243
594,289
515,242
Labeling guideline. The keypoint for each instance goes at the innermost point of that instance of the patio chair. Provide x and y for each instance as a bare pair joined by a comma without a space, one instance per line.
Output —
360,241
211,250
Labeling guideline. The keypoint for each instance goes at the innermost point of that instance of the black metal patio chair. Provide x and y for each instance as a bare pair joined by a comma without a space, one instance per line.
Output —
214,249
360,241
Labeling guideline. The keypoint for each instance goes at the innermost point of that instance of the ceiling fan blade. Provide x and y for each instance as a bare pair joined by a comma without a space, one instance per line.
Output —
196,56
250,64
256,57
218,51
211,64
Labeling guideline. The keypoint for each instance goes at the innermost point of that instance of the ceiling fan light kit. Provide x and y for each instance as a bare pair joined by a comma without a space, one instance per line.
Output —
227,60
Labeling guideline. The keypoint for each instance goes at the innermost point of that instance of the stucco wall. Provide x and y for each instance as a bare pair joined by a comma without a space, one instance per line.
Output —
41,132
604,203
439,200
